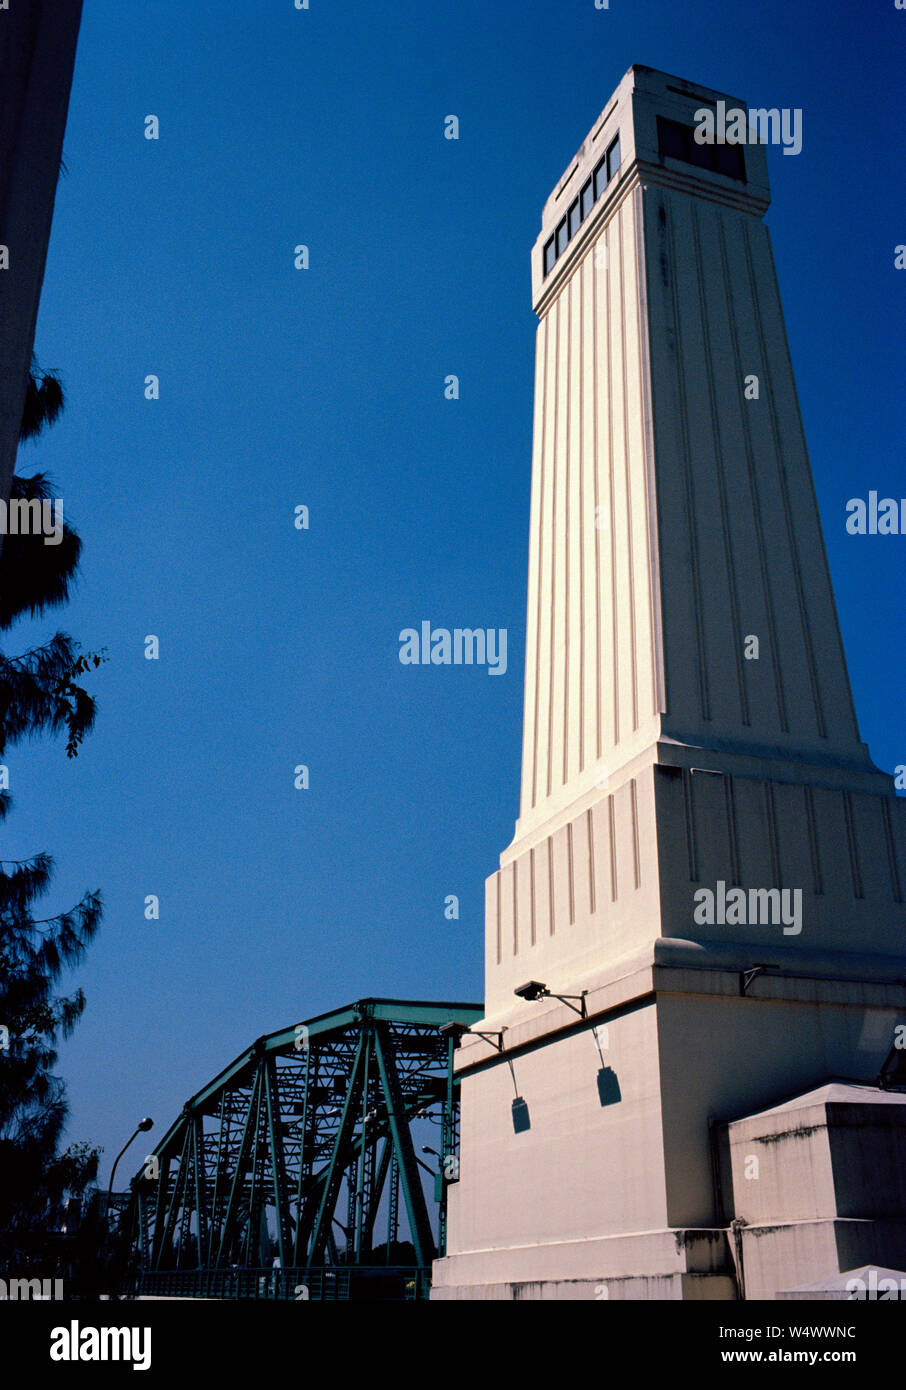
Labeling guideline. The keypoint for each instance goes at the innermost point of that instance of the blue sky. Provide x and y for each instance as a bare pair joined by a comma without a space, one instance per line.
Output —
324,387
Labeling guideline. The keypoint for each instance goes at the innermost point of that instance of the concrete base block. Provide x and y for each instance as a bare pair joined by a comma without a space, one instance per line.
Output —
671,1265
784,1256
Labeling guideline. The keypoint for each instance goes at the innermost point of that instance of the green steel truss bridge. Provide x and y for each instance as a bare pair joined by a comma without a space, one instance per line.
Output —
289,1174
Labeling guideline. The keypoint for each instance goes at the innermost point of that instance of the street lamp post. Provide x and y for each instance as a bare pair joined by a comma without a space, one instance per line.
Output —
143,1125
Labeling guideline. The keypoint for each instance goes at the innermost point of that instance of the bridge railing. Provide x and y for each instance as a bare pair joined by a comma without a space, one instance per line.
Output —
323,1284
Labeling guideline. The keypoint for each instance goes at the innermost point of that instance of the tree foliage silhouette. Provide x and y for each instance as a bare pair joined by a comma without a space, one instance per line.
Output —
39,694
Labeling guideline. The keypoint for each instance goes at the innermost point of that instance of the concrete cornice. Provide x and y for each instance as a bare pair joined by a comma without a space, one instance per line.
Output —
568,263
803,767
670,966
641,174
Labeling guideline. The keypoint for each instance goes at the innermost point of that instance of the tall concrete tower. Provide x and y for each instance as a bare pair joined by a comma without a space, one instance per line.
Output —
694,943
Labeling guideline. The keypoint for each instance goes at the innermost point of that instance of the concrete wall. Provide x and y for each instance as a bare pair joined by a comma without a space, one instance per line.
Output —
819,1183
37,51
584,1169
843,850
723,1057
739,527
591,681
624,870
587,891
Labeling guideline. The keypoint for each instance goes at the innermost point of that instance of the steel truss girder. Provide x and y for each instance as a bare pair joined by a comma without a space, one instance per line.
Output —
284,1129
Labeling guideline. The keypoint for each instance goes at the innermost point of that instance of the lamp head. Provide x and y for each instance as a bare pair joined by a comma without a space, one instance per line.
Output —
532,990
